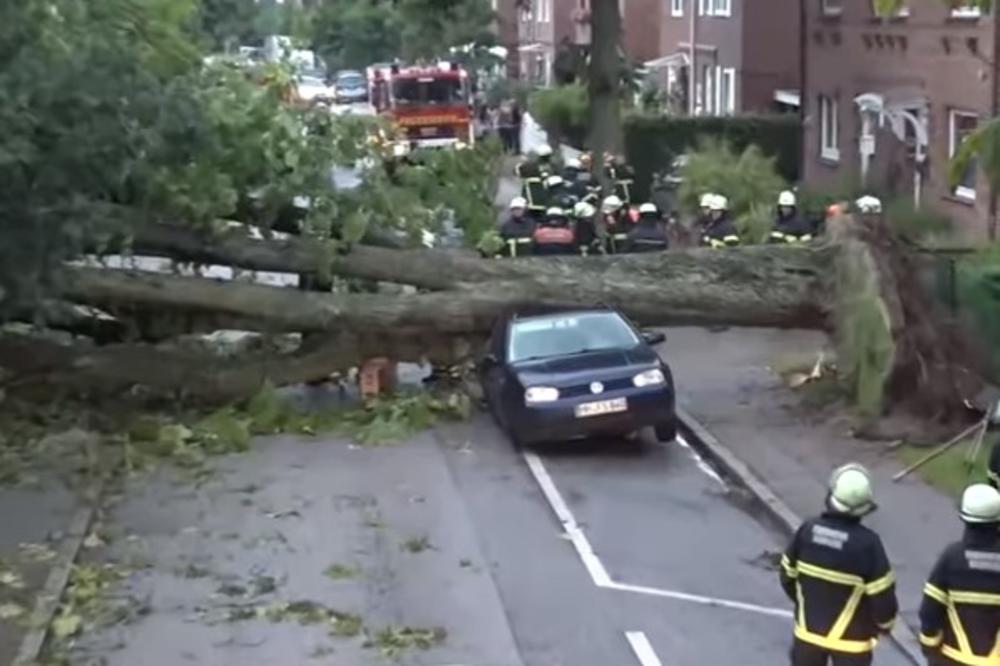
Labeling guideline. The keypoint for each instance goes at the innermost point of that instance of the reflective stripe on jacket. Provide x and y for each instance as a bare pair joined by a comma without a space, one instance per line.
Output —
838,575
960,612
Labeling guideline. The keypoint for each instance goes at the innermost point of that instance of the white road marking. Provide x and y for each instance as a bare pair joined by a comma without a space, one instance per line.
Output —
699,599
700,462
643,650
579,540
598,574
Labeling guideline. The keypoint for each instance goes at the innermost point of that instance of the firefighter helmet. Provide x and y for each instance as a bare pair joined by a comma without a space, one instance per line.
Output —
786,198
981,504
584,210
718,203
611,204
544,150
869,205
574,163
518,202
706,200
553,181
851,490
648,209
555,211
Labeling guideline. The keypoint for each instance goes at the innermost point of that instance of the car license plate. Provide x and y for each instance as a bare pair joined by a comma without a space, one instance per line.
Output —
428,131
601,407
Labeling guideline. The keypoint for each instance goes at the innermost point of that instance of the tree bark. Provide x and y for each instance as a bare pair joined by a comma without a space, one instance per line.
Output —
753,286
604,82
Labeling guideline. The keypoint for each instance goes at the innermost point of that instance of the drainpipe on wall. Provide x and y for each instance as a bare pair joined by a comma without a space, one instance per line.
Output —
803,88
692,55
991,229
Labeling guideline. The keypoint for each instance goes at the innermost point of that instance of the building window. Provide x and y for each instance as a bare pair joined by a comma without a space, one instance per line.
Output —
715,7
966,9
829,147
677,7
727,91
831,7
960,125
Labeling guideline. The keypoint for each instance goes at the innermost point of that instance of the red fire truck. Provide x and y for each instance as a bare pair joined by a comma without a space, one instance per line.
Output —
430,106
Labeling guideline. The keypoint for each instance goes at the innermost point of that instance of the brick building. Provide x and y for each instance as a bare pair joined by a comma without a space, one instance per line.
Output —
890,100
746,52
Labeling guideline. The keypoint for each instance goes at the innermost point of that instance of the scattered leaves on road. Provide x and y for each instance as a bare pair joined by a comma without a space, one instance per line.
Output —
391,641
417,544
11,611
337,571
11,579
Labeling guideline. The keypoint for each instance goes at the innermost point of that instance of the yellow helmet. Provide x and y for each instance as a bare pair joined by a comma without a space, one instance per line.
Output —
851,490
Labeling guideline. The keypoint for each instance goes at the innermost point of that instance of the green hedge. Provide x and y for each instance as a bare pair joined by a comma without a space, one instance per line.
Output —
652,141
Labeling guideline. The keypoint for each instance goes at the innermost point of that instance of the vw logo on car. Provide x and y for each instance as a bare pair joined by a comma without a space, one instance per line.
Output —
596,387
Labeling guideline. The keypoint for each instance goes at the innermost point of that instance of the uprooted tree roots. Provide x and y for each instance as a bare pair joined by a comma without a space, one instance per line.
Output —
859,284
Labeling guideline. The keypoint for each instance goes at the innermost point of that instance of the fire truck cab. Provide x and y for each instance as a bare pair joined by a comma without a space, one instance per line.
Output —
430,106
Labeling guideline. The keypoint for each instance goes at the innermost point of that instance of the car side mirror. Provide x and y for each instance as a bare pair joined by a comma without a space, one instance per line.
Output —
654,337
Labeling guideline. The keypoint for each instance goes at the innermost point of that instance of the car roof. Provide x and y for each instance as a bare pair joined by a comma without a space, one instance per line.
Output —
348,72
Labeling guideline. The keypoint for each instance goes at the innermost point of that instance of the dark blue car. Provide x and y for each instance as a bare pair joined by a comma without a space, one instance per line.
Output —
570,374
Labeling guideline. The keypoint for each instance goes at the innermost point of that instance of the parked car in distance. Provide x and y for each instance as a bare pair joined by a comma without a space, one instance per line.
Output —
556,375
312,88
350,87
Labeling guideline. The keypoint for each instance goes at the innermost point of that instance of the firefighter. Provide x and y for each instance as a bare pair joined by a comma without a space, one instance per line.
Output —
960,612
584,230
615,218
576,178
789,225
558,193
554,235
837,574
538,166
704,212
517,229
720,230
649,233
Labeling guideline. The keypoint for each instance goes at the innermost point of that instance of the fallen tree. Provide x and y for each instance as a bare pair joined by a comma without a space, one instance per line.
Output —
457,298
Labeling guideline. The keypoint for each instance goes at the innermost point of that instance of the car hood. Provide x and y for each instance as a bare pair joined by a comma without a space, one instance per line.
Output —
561,370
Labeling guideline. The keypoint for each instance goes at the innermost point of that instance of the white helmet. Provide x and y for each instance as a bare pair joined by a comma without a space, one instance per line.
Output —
400,149
981,504
555,211
851,490
786,198
518,202
648,209
552,181
544,150
718,202
583,210
706,200
611,204
574,163
869,204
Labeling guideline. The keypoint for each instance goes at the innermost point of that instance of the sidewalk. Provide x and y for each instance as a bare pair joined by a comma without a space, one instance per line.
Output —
726,384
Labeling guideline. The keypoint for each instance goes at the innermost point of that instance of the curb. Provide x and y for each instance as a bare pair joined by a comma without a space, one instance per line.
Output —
902,636
48,598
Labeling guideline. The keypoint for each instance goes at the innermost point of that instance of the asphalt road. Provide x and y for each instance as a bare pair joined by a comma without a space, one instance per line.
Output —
687,565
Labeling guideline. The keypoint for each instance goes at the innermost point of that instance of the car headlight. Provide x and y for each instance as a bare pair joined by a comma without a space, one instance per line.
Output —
536,394
649,378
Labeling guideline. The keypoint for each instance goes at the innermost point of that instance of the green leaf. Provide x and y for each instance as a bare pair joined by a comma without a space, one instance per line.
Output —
11,611
66,625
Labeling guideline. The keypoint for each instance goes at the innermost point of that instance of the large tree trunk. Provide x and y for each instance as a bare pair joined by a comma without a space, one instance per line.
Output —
604,80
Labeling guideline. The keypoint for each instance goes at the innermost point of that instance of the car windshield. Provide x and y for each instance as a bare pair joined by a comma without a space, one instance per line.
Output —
350,81
427,91
566,334
311,81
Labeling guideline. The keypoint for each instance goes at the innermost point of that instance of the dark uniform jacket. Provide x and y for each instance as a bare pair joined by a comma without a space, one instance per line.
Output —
960,613
720,233
793,225
837,574
647,235
517,236
534,168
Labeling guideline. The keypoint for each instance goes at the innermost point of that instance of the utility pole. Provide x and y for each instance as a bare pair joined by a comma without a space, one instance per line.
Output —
692,56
